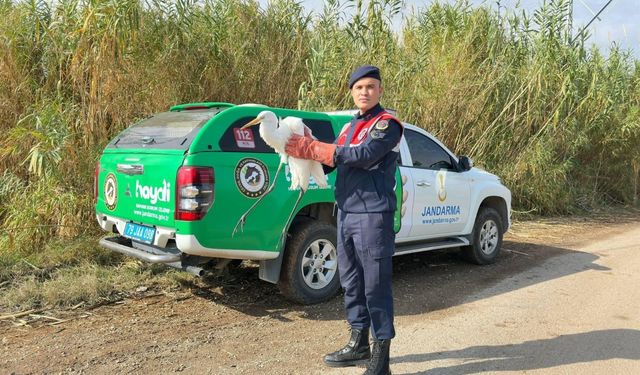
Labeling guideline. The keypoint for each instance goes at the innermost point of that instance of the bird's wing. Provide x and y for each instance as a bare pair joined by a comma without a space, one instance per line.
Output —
295,180
294,124
318,174
300,172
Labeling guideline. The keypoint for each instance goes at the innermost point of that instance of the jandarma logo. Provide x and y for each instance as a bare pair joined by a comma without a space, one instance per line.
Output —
154,194
441,210
442,191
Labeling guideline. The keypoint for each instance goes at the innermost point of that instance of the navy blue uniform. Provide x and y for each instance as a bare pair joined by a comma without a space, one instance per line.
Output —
366,200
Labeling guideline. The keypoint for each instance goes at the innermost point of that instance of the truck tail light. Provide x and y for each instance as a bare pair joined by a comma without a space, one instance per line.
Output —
194,192
96,174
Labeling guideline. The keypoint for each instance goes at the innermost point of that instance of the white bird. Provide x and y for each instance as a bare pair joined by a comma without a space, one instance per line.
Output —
301,169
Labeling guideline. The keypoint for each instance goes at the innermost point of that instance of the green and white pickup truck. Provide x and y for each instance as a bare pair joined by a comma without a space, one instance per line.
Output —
173,186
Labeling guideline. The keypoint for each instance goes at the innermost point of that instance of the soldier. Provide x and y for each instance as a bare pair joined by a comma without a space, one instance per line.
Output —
365,154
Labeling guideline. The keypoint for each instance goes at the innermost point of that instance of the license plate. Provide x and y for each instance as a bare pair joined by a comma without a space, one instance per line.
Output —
139,232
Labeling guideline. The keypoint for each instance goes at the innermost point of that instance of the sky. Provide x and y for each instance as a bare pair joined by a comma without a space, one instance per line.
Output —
619,22
616,22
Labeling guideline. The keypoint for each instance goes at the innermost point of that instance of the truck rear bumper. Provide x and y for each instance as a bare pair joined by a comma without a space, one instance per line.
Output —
189,244
171,257
185,243
107,222
119,245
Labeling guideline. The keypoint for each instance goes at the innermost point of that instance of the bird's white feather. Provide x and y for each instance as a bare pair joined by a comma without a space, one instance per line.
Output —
277,137
318,175
295,125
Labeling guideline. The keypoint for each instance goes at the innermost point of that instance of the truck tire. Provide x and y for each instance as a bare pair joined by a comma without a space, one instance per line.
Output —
310,266
486,239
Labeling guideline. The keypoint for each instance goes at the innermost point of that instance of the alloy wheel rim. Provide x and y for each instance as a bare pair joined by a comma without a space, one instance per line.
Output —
319,264
488,237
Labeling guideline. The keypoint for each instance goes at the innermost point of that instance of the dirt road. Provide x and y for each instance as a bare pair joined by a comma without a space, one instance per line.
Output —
563,298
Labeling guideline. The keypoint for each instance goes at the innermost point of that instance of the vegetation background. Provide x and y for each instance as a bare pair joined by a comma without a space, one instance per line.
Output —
557,120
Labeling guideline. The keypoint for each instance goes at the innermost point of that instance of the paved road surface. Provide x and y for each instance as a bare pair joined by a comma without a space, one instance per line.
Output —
578,313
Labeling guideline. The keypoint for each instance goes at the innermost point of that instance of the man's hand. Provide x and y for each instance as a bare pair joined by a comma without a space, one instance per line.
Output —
307,148
299,147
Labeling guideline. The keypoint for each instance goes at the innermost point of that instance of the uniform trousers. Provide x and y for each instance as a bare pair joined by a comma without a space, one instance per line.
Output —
365,250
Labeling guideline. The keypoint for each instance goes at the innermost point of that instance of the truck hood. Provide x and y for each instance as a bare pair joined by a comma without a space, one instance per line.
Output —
481,174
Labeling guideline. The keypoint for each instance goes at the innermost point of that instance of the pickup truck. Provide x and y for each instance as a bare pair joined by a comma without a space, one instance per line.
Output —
172,187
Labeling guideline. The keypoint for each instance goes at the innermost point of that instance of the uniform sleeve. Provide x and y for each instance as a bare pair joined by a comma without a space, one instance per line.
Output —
380,140
327,169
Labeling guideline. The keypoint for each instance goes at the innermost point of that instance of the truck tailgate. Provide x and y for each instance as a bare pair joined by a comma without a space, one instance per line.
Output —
139,185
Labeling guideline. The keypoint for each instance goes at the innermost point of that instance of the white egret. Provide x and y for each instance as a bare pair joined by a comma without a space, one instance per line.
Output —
301,169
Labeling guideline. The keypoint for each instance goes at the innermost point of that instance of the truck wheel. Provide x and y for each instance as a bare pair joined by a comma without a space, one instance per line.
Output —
486,237
310,266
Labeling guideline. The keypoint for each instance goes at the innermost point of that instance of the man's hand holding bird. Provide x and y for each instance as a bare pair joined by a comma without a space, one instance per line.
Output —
308,148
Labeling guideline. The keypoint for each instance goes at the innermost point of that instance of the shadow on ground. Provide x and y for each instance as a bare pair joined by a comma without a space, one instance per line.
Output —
423,282
537,354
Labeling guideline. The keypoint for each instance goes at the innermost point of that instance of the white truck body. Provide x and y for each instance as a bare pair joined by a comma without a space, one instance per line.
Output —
443,203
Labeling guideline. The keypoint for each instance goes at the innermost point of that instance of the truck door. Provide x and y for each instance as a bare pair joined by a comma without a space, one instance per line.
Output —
441,194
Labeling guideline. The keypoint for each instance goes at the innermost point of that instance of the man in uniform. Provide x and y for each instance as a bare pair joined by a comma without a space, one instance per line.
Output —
365,154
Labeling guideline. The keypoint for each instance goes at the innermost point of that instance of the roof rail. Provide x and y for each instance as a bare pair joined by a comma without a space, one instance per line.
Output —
200,105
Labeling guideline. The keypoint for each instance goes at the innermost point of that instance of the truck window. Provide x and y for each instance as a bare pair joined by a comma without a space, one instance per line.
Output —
425,153
236,140
165,130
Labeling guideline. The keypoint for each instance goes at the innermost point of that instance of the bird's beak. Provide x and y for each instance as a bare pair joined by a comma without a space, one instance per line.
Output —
255,121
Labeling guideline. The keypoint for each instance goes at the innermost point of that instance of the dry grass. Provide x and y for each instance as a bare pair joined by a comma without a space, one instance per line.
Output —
569,228
66,272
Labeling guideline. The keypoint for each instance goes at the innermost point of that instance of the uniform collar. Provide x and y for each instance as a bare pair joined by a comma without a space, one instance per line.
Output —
368,115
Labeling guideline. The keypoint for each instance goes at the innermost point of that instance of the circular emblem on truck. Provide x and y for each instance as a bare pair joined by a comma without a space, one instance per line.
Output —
110,192
252,177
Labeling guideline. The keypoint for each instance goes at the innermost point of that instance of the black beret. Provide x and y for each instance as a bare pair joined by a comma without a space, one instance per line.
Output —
363,72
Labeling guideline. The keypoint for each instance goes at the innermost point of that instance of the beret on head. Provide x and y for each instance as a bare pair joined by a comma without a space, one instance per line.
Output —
363,72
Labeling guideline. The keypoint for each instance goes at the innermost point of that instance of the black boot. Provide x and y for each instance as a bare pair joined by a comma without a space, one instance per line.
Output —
355,352
379,363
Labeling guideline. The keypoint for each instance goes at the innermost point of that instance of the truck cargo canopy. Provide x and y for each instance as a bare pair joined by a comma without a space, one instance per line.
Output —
165,130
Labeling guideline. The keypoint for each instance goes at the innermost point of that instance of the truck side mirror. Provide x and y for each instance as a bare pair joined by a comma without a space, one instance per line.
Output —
465,163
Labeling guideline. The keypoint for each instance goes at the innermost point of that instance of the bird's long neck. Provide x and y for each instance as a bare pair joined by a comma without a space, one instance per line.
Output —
268,133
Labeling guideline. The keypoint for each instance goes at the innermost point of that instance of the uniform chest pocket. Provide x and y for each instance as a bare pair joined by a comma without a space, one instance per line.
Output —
379,234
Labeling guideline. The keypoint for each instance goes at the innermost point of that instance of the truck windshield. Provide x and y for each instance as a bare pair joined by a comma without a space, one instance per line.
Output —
166,130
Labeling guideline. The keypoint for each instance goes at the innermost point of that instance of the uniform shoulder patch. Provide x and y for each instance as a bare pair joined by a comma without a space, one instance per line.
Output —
382,124
376,134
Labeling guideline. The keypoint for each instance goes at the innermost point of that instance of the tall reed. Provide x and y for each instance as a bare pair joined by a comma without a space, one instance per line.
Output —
559,122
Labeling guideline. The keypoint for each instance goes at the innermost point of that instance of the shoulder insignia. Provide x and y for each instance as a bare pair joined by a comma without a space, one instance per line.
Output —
375,134
382,124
